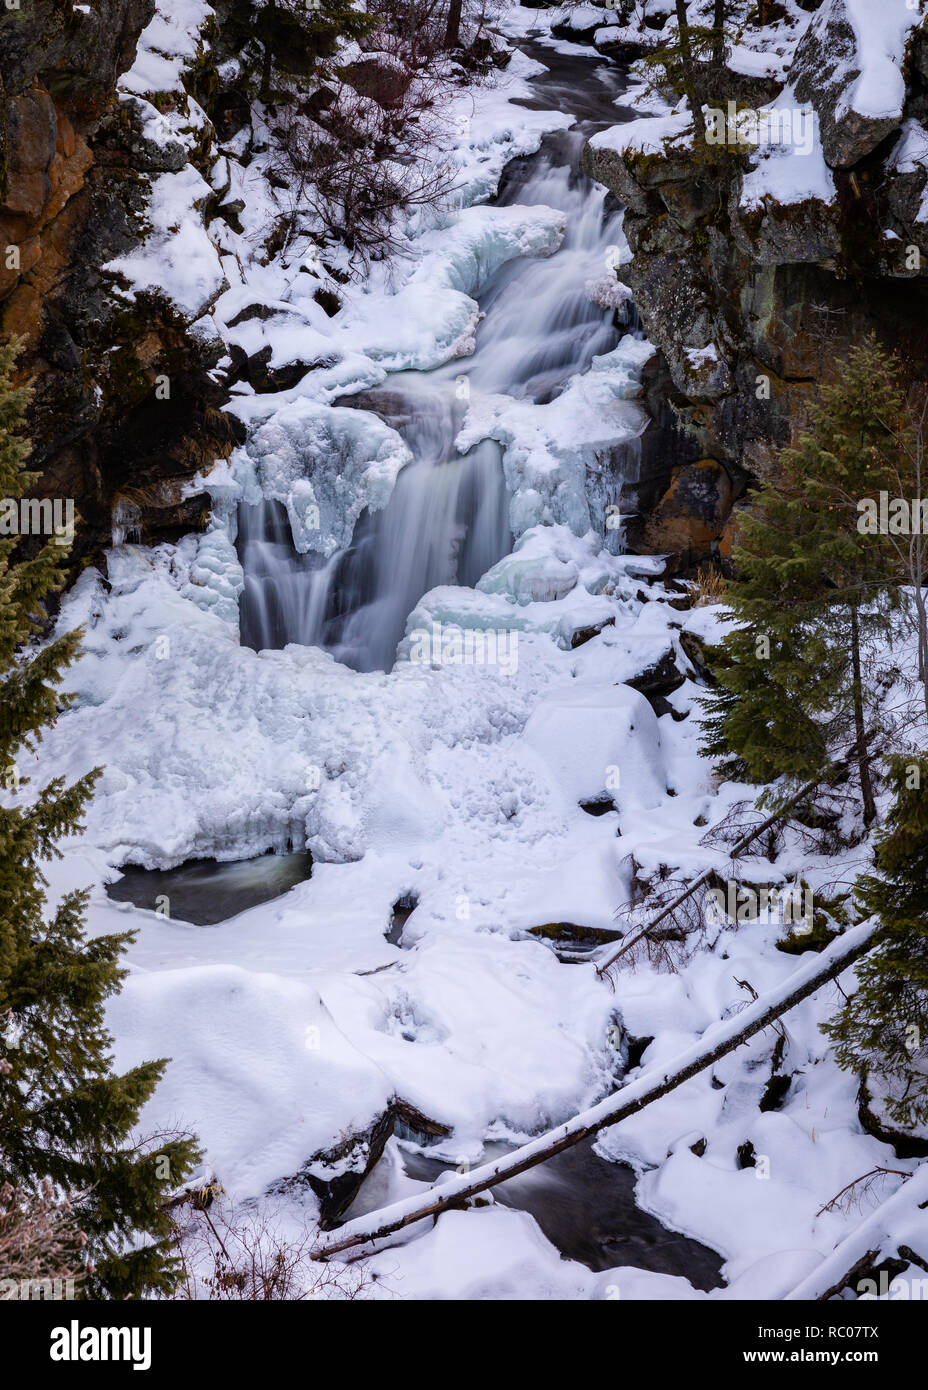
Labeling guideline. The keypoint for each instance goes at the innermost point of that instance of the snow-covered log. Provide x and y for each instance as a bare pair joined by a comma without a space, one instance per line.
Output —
880,1234
719,1040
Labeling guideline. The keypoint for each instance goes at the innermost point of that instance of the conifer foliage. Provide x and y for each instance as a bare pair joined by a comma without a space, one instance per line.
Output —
814,596
295,34
65,1116
883,1028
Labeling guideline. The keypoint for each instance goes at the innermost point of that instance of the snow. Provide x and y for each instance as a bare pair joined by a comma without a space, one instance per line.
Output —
752,62
911,156
627,1096
293,1025
789,172
596,737
911,151
549,450
647,135
455,262
461,787
881,33
698,357
326,464
493,129
178,257
166,47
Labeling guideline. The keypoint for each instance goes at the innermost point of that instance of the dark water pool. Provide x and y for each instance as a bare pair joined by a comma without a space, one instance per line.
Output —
204,892
586,1208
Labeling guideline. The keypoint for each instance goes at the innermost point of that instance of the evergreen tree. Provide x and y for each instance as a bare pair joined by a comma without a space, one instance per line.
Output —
64,1115
883,1027
797,678
692,64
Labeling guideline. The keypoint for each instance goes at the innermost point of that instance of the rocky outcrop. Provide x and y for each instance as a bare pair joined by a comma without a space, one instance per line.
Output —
337,1175
754,274
124,402
827,72
690,518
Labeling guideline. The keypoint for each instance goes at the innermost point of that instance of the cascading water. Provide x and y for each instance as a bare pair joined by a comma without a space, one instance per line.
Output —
447,519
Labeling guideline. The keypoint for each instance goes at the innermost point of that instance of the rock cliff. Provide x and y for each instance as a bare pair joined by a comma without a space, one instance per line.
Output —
756,266
125,409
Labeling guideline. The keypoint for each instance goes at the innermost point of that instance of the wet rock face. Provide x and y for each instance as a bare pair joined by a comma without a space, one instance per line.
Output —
72,195
690,517
76,51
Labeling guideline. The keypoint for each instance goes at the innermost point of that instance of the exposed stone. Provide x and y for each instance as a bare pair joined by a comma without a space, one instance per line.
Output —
663,678
336,1176
571,943
692,513
776,233
694,649
874,1121
750,307
72,198
586,634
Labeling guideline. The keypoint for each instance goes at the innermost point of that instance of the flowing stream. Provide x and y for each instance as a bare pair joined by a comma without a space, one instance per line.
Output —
447,520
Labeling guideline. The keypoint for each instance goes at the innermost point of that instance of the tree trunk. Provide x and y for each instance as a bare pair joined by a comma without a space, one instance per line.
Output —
267,66
718,46
863,762
628,1100
453,30
690,77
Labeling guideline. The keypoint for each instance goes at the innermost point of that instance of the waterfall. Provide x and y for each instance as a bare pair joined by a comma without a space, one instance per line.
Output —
447,519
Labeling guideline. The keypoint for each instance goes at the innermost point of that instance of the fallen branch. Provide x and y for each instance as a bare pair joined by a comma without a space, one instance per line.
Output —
865,1244
719,1040
630,941
634,937
848,1192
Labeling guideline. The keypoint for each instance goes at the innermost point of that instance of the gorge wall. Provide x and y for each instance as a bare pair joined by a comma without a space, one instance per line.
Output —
752,281
754,276
125,409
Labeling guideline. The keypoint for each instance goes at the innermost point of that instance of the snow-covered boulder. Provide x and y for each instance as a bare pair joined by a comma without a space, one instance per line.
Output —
849,66
601,742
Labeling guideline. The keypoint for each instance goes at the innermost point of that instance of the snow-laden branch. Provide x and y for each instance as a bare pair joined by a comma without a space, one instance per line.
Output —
716,1042
863,1246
